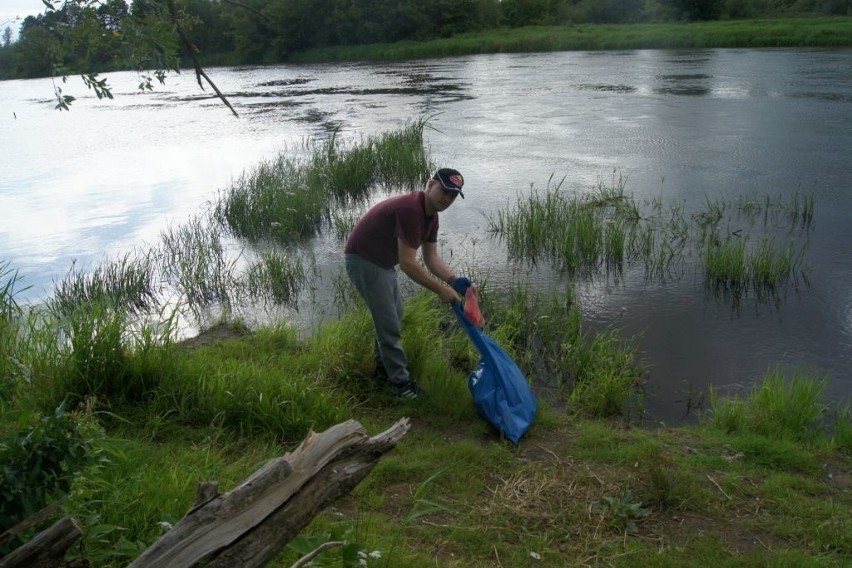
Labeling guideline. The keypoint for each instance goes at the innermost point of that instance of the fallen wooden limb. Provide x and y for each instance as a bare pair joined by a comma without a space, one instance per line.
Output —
47,549
251,524
31,522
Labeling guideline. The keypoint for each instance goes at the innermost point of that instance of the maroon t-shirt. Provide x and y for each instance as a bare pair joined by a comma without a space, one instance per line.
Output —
402,217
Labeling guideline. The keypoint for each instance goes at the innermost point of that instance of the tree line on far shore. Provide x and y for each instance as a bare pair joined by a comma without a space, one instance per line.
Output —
85,36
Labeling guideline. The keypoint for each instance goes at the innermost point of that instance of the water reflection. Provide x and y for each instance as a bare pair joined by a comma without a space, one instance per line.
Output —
684,84
608,88
285,82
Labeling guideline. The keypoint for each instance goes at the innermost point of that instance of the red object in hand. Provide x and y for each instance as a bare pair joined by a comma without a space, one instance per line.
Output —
471,307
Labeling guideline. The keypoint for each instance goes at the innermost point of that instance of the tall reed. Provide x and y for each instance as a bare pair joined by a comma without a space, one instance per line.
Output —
606,230
10,322
289,199
193,258
276,277
126,282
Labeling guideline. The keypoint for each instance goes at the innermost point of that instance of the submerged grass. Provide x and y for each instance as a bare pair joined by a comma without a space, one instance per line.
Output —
193,259
289,199
122,283
608,231
578,235
276,278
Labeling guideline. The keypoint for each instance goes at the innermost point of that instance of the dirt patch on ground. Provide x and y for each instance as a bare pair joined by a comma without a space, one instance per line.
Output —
683,528
219,332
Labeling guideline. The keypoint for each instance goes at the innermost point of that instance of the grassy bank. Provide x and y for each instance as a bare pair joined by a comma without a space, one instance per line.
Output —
793,32
760,481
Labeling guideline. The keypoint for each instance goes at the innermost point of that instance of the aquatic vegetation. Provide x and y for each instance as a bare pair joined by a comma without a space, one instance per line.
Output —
126,282
193,259
598,373
607,231
290,199
276,277
584,234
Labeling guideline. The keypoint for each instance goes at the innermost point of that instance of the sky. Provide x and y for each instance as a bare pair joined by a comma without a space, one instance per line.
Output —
11,9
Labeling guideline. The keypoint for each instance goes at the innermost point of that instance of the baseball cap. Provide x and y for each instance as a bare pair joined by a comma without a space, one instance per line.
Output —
450,179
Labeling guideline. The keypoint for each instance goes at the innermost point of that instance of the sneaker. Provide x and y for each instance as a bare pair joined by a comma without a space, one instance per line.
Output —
410,390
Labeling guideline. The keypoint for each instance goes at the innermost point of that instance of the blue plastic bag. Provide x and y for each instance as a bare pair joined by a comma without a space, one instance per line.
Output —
500,390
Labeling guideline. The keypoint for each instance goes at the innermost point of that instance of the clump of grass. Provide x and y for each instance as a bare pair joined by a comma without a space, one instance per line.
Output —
276,200
843,430
604,230
734,268
726,266
97,353
9,288
739,263
343,221
123,283
75,346
402,159
607,377
346,173
10,327
597,373
82,336
289,199
801,210
276,277
779,407
193,258
770,267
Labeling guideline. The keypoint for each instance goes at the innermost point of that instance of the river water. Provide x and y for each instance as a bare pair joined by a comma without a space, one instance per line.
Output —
681,125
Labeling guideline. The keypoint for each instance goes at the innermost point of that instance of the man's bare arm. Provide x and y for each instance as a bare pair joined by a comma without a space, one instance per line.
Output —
409,264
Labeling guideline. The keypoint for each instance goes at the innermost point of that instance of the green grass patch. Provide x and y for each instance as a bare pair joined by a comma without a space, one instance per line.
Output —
778,408
787,32
453,492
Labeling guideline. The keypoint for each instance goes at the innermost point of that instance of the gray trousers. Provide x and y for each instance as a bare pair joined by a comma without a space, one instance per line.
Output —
380,290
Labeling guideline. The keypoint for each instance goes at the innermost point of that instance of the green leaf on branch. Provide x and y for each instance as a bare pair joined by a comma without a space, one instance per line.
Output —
102,90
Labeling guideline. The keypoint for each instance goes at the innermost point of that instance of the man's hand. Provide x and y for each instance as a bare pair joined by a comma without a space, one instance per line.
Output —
448,295
460,284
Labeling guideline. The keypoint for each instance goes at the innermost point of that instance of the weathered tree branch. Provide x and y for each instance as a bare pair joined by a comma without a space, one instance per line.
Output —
249,8
30,522
47,549
303,561
193,52
250,525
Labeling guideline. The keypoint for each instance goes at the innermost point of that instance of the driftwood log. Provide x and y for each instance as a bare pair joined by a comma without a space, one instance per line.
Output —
47,549
252,523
